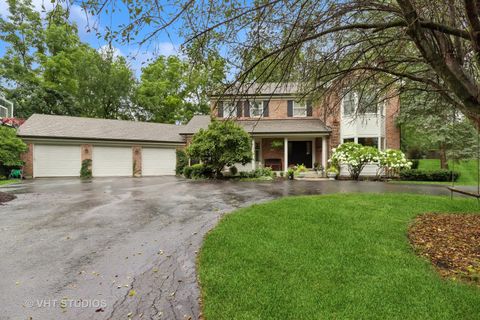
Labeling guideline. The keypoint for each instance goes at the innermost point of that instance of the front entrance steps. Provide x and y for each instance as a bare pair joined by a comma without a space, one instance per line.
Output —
310,175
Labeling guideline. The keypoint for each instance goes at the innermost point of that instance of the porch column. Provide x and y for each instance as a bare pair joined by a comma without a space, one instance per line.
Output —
285,154
253,154
324,152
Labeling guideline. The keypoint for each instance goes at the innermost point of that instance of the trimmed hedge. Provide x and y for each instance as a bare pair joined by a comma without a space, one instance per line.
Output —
428,175
198,171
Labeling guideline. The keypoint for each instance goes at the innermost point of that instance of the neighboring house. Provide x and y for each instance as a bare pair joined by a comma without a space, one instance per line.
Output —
6,107
288,130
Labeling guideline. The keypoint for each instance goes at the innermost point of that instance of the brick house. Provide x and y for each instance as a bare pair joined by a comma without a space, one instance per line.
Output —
286,129
290,130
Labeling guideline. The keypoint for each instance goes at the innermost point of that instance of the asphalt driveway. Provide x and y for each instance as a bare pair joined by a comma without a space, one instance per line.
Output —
123,247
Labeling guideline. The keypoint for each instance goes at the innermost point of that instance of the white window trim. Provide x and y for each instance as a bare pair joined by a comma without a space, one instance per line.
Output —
229,110
6,112
299,106
260,104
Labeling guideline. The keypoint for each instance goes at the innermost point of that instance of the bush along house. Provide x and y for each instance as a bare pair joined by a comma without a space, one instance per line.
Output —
289,130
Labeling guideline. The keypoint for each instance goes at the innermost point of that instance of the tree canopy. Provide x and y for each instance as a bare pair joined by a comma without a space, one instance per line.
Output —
435,45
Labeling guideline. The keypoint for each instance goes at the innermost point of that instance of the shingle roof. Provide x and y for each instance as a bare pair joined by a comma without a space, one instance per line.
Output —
284,126
195,124
268,88
51,126
302,125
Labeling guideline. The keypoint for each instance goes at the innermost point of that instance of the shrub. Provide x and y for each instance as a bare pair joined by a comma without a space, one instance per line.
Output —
257,173
415,163
86,169
182,161
201,171
10,147
355,156
187,172
223,144
301,168
233,170
428,175
392,161
290,173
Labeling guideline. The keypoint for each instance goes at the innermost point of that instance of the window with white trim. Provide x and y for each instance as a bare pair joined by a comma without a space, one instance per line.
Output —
299,109
3,112
256,108
349,104
229,110
367,102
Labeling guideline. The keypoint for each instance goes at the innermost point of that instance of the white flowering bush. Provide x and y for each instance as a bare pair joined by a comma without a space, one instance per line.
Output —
392,161
355,157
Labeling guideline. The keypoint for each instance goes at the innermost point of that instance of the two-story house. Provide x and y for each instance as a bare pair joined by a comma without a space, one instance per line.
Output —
289,130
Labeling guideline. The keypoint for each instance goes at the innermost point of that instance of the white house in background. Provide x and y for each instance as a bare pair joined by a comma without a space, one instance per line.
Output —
6,107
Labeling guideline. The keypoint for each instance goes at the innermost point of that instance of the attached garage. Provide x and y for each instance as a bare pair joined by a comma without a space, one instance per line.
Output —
57,146
158,161
112,162
56,160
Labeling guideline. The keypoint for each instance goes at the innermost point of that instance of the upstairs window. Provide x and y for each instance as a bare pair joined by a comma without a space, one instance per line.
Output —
229,110
3,112
256,109
349,104
299,109
367,102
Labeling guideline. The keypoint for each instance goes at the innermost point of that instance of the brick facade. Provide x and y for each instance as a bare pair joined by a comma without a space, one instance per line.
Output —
392,131
137,161
27,158
269,153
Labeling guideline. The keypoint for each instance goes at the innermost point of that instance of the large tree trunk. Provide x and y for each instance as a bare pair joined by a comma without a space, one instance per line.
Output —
443,157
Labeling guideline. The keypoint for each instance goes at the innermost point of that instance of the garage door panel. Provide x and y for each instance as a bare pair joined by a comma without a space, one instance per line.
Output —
158,161
112,161
56,161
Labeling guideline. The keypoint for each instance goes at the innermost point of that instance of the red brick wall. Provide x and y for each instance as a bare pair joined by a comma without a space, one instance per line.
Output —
137,161
27,158
318,150
269,153
392,131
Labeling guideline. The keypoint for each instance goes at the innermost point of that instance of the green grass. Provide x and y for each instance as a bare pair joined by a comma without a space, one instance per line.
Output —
329,257
466,168
5,182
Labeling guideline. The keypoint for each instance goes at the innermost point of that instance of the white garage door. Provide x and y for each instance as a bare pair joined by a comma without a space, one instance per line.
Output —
56,161
112,161
158,161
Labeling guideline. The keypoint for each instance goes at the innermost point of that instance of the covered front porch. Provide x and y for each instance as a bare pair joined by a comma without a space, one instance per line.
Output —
284,151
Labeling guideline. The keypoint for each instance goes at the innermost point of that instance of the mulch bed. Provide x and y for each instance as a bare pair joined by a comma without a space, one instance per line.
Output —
451,242
5,197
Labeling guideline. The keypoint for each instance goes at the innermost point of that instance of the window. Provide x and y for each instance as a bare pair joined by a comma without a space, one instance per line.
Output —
229,110
348,140
368,142
256,109
3,112
299,109
367,102
349,104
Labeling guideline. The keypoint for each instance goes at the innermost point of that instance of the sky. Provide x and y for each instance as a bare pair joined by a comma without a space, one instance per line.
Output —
164,44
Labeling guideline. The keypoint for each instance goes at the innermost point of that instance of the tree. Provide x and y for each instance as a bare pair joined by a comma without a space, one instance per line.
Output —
47,69
429,123
10,147
434,44
173,90
224,143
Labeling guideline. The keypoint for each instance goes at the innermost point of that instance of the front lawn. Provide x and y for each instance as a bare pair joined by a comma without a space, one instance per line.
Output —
466,168
329,257
10,181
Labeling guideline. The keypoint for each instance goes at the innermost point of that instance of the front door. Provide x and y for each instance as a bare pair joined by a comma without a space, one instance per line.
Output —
300,152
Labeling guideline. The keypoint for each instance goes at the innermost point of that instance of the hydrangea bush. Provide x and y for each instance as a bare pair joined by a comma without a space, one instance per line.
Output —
392,161
356,157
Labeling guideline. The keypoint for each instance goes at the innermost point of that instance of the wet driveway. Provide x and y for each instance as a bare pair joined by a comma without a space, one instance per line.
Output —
122,247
